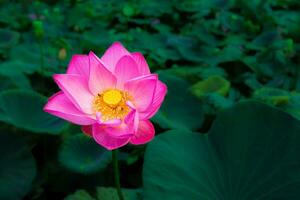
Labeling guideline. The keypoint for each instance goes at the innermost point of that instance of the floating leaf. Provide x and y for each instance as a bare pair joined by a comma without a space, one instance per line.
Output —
82,154
251,152
24,109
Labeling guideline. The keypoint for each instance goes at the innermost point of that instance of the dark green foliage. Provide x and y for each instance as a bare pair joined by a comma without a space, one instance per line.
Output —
24,109
17,167
251,152
81,154
212,54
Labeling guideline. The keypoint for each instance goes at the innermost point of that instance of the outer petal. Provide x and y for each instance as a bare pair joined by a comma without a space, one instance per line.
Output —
126,69
121,131
100,78
141,62
132,118
60,106
142,89
75,87
159,95
144,134
102,137
113,54
79,64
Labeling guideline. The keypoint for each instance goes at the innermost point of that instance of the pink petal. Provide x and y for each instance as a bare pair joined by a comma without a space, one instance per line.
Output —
141,62
113,54
126,69
79,64
100,78
132,119
159,95
88,130
121,131
144,134
60,106
75,87
142,89
112,122
102,137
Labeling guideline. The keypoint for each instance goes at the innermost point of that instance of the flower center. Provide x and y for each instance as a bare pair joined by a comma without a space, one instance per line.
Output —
112,97
112,104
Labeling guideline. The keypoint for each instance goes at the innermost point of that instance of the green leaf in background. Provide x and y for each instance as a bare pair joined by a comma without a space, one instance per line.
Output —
107,193
273,96
8,39
27,58
82,154
194,73
251,152
79,195
24,109
213,84
15,67
289,21
282,99
180,110
17,169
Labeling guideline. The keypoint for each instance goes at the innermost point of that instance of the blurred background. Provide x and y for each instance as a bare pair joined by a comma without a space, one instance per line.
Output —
212,54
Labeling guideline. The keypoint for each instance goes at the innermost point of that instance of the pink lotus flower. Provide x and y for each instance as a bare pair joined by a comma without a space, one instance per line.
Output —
113,98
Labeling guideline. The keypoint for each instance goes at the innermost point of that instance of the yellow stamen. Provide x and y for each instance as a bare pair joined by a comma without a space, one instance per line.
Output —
112,104
112,97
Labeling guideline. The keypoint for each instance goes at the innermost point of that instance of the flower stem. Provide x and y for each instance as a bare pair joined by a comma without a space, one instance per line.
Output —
116,173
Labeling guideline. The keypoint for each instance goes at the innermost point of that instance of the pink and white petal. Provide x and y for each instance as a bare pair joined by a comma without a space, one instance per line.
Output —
121,131
88,130
100,78
102,137
79,64
113,54
159,96
95,60
60,106
144,134
112,122
142,90
132,119
141,62
75,87
125,129
126,69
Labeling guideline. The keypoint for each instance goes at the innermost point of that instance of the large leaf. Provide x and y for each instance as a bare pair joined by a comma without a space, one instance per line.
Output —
82,154
180,110
24,109
17,169
251,152
108,193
